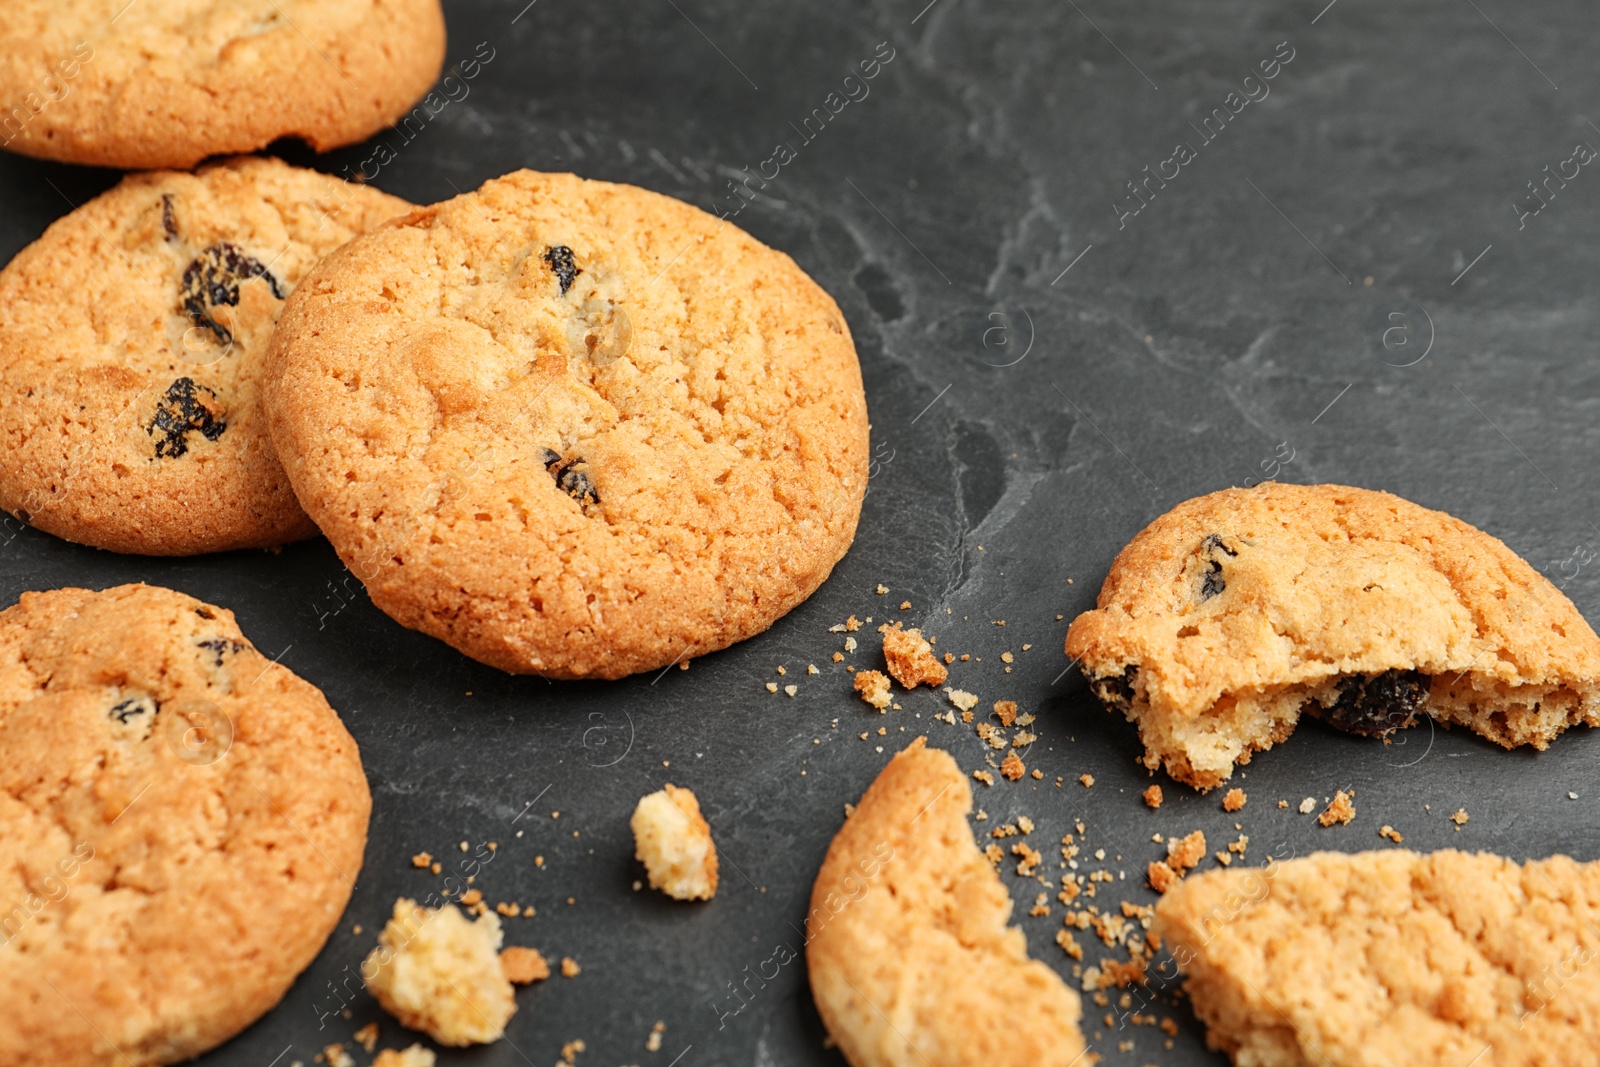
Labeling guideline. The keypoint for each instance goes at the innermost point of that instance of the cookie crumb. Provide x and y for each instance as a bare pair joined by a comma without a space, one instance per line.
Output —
1234,800
1012,766
911,659
1460,818
415,1056
1153,797
983,776
1162,877
1006,710
438,972
569,967
422,860
874,688
1087,780
882,589
772,687
653,1042
1341,809
962,699
1308,805
673,841
1392,834
1186,852
523,966
791,690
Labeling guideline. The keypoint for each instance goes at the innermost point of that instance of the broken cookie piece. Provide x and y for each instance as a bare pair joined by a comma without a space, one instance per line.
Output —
1234,614
439,972
673,841
415,1056
874,688
523,966
1392,957
911,659
908,944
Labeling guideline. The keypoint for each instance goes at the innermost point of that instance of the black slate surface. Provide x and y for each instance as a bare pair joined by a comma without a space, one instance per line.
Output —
1047,370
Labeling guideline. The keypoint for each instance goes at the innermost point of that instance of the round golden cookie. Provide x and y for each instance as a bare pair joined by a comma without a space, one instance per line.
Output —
572,428
131,340
181,822
167,83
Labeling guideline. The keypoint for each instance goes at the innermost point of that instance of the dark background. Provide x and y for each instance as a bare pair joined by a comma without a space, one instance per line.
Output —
1186,350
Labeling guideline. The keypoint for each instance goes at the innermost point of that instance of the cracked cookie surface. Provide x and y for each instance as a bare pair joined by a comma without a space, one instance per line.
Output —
572,428
1235,613
1392,957
168,84
181,822
131,340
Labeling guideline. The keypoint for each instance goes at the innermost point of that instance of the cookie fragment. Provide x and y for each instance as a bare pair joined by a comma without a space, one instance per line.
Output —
908,941
911,659
1236,613
1392,957
874,688
411,1056
1341,809
439,972
673,841
523,966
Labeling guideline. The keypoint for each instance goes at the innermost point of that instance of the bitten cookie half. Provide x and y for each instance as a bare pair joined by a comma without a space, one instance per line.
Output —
132,335
1392,957
912,962
147,85
572,428
1234,613
181,823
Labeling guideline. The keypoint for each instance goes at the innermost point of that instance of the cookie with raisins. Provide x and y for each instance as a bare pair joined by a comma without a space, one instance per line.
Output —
149,85
572,428
181,824
131,340
1232,615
